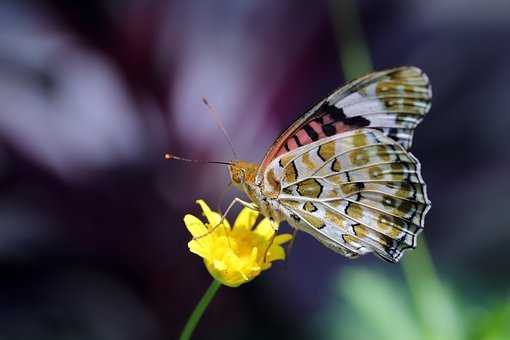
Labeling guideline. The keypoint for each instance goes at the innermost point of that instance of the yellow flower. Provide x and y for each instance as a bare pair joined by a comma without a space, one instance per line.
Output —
235,255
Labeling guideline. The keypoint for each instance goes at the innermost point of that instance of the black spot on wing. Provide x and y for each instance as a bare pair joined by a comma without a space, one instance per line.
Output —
319,120
415,191
295,217
393,133
311,132
337,114
395,152
298,142
357,121
335,165
329,129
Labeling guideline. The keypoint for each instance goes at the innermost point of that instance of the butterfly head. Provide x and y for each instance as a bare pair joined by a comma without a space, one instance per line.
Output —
242,173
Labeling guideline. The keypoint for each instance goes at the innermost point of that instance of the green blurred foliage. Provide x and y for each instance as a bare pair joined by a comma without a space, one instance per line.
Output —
370,304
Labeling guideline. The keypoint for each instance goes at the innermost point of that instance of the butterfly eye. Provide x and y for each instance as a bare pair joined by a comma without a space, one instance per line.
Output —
236,174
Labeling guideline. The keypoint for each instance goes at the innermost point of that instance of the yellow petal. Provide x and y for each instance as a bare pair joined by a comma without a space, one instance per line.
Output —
265,229
245,277
266,265
195,226
219,265
275,253
282,238
212,217
196,248
253,255
246,219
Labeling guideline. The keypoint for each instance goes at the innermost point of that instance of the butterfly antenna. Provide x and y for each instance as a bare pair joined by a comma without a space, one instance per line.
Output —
218,122
169,156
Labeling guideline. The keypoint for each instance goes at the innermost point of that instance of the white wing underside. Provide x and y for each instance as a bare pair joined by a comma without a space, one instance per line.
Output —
356,192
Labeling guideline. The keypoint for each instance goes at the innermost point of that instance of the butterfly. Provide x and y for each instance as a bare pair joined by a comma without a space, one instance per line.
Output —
342,172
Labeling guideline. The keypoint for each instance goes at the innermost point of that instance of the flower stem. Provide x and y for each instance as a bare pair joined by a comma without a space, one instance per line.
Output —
199,310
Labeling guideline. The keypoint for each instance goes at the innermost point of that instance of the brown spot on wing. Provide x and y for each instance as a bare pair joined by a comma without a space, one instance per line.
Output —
375,172
327,151
310,207
307,161
354,210
335,165
359,157
273,181
335,218
359,139
290,173
315,221
309,188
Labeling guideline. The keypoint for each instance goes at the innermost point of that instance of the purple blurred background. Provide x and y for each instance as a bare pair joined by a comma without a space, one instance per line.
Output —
92,94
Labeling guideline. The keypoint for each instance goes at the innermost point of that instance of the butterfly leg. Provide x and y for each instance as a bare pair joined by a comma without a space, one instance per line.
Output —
290,246
269,246
234,201
275,226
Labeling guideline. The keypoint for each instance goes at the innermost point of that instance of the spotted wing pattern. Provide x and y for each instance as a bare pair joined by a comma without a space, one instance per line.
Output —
393,101
356,192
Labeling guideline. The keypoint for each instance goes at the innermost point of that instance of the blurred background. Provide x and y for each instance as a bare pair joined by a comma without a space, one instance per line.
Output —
92,244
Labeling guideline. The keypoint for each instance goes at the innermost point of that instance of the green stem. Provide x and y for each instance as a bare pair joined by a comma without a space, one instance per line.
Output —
199,310
433,302
354,52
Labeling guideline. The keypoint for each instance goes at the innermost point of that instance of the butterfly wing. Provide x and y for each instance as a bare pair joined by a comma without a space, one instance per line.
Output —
356,192
393,101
